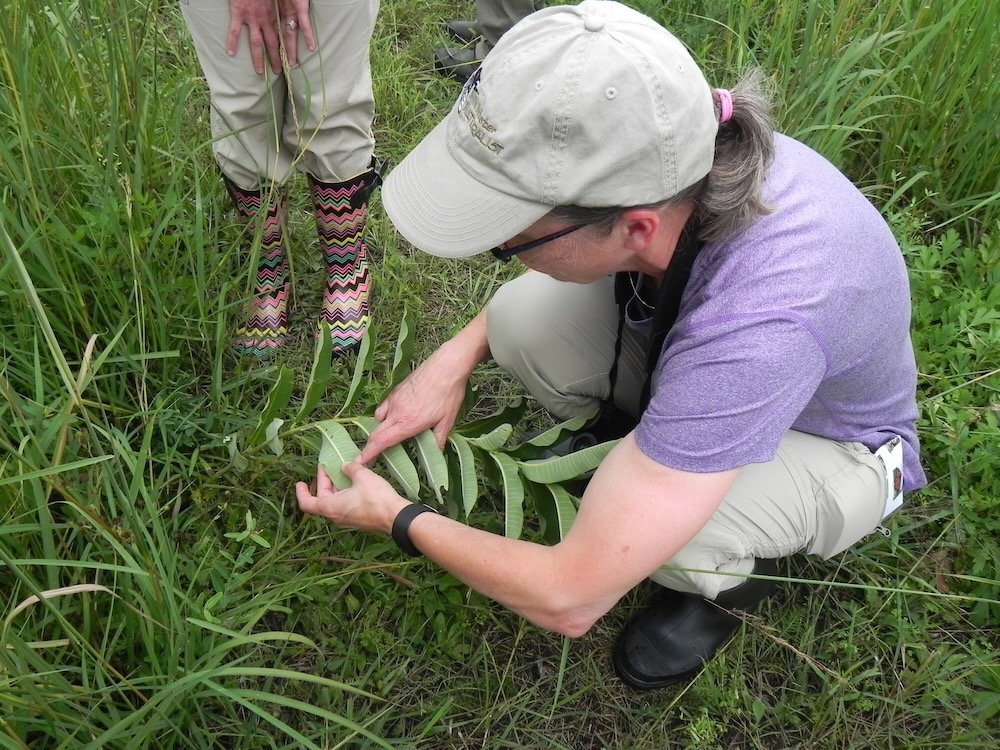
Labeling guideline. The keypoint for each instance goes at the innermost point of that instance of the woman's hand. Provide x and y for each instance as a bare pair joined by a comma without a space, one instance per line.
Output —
294,18
431,396
369,504
261,17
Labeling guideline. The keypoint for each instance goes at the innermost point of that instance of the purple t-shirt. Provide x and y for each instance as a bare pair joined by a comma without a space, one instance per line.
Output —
801,322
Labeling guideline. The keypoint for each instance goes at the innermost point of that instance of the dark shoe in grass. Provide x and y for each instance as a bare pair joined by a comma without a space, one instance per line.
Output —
611,423
459,64
464,32
672,639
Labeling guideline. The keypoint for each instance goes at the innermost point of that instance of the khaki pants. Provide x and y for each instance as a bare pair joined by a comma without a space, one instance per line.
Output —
317,118
817,496
495,17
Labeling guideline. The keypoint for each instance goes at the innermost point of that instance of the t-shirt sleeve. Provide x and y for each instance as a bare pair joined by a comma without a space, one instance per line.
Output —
724,394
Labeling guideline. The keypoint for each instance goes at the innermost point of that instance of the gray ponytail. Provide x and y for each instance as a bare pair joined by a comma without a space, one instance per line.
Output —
730,196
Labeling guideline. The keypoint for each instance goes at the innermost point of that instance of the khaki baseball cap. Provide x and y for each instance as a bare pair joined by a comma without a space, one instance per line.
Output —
590,105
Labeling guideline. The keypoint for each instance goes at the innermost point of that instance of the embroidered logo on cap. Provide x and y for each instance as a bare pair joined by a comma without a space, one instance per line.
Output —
471,108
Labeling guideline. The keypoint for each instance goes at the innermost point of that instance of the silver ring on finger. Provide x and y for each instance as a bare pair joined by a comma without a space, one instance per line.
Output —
291,24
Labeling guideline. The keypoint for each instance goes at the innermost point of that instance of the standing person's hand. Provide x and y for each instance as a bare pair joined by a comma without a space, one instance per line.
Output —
293,15
261,17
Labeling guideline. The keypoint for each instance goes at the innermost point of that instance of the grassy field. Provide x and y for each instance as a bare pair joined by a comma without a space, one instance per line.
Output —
159,588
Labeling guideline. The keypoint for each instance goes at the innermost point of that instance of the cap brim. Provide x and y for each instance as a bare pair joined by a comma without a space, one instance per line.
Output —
436,205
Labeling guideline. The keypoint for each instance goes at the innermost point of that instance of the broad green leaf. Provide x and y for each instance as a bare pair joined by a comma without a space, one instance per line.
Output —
396,460
453,497
338,449
545,508
277,400
239,463
493,440
531,448
467,472
271,436
510,414
562,468
404,351
513,493
557,507
319,376
366,355
432,461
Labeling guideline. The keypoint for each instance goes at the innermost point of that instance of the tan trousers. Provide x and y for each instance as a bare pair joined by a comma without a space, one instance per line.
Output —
817,496
316,117
495,17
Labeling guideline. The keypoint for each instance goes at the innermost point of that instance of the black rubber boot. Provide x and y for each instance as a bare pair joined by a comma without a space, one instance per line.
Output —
459,64
462,31
672,639
611,423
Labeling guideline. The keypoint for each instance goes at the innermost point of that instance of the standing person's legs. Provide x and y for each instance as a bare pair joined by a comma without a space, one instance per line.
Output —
329,120
331,106
247,109
558,339
495,17
245,118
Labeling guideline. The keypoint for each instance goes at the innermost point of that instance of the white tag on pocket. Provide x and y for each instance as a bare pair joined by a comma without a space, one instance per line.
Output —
890,456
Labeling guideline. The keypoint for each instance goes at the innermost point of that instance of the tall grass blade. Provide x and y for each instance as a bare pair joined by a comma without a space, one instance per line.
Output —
53,593
60,469
366,356
277,399
319,375
55,351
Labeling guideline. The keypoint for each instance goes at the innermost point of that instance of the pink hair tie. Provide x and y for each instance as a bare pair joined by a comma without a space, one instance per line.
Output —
725,100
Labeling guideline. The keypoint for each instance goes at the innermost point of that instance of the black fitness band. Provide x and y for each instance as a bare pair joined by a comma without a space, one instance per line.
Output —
401,527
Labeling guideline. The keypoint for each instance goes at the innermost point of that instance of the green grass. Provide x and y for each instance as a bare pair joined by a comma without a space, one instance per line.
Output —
194,624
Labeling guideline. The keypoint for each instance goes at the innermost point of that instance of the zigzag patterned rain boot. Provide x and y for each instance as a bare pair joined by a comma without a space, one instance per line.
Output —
265,326
340,210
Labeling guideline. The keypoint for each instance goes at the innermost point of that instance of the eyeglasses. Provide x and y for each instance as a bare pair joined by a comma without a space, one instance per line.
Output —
503,253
